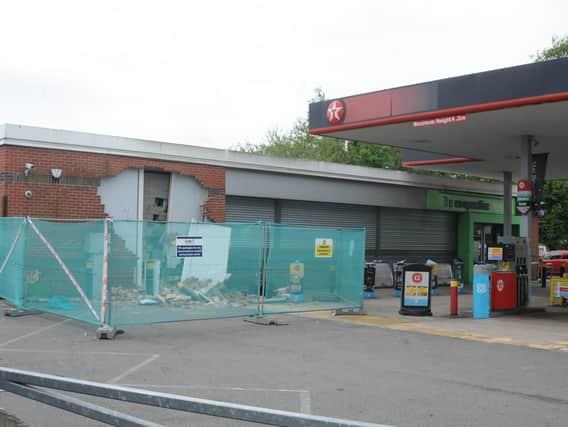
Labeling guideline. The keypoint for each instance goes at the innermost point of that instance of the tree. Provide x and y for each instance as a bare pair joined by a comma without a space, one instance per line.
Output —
553,228
559,49
298,143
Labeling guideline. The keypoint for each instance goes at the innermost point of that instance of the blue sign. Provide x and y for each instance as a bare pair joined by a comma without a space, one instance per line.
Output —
189,246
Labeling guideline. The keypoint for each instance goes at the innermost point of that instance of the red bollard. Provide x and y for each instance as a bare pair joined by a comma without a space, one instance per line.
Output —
454,297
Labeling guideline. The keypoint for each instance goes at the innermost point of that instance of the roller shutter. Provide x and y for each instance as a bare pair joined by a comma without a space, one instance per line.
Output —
246,209
332,215
416,234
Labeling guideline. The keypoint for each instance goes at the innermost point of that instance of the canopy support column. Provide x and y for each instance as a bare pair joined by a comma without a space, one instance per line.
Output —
526,220
507,207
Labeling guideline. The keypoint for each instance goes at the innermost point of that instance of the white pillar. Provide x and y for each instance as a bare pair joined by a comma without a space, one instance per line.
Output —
526,220
507,207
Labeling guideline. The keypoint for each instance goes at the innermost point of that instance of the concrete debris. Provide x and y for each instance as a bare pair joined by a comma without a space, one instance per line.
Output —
192,292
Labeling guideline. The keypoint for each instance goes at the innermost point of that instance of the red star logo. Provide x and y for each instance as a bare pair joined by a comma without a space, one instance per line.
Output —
335,112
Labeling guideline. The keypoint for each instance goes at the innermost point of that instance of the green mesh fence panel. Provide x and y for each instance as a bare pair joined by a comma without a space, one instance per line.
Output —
313,269
162,272
218,275
12,277
35,280
47,286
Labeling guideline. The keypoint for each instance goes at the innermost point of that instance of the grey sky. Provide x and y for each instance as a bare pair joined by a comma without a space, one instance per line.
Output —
216,73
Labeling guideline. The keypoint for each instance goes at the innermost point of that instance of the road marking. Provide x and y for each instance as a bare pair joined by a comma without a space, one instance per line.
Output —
408,326
133,369
207,387
31,334
305,395
305,402
71,352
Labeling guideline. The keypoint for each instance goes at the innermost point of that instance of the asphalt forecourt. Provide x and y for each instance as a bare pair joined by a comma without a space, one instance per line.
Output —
312,366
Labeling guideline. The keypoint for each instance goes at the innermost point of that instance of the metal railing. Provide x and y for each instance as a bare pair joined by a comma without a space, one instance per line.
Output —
32,385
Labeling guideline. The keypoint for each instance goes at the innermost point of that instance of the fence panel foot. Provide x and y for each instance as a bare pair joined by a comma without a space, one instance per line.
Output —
108,332
20,313
265,321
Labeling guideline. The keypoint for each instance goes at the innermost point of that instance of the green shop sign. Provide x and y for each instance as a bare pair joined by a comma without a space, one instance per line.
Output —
463,202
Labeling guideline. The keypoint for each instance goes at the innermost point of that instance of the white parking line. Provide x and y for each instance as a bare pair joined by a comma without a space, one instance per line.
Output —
133,369
305,395
96,353
31,334
305,402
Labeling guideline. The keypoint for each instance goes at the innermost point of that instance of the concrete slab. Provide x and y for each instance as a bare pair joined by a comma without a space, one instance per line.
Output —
534,328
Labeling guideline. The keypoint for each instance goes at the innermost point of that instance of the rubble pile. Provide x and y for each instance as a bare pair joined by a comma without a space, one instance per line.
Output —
192,292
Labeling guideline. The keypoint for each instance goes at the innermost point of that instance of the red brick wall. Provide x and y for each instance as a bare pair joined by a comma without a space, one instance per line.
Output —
81,201
2,193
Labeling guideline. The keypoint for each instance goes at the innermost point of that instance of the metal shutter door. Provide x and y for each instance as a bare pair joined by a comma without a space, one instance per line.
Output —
332,215
412,231
247,209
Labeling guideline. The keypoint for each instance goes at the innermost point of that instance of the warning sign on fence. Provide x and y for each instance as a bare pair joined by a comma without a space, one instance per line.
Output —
324,248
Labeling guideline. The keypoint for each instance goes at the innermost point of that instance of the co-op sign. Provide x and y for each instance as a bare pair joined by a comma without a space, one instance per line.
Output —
479,205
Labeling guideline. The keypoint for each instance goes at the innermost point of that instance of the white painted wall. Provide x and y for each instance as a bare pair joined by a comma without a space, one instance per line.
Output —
186,197
119,194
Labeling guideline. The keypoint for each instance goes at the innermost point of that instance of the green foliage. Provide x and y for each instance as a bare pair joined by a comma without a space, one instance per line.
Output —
298,143
553,228
559,49
554,225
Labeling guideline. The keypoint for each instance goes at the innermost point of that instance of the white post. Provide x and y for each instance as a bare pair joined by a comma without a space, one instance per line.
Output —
526,220
140,231
507,207
104,287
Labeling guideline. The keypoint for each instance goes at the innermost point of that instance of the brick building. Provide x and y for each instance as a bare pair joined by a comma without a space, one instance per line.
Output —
50,173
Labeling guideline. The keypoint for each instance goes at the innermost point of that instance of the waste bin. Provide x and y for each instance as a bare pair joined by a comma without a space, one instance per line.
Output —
482,290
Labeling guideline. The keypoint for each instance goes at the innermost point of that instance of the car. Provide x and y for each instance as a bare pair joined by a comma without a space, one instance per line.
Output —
557,261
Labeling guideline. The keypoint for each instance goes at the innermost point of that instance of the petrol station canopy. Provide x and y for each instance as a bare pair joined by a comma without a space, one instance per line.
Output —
470,124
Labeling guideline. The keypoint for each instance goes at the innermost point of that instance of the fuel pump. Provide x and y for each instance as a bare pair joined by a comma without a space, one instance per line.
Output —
521,268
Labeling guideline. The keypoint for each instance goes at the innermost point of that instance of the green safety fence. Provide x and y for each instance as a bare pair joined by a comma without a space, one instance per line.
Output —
162,272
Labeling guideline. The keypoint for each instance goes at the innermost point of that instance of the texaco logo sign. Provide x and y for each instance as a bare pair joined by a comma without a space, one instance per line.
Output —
417,277
500,285
335,112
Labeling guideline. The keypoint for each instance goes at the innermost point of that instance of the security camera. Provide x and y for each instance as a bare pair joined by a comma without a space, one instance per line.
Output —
28,167
28,194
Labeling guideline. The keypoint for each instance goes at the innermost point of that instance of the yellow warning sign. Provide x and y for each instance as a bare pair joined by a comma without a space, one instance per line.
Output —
324,248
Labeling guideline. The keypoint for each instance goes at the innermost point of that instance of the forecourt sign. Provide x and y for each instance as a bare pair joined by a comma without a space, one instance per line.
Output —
415,298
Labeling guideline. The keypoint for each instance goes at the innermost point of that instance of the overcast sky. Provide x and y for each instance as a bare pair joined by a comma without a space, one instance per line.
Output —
219,73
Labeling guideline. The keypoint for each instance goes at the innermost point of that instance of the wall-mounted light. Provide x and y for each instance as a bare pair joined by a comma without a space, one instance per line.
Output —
56,174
